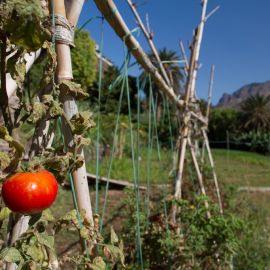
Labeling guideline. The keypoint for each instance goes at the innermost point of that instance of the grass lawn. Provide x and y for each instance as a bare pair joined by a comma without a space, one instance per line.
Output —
123,169
242,168
233,167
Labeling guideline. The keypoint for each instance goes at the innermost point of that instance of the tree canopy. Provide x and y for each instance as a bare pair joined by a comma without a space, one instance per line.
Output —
256,113
84,59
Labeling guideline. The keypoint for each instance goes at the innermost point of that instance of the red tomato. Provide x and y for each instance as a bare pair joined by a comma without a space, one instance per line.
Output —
30,192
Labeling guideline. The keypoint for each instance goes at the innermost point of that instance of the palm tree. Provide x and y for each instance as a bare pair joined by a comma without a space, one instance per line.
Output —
170,61
171,65
256,113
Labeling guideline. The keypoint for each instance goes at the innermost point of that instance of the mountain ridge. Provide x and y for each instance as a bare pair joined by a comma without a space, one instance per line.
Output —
236,98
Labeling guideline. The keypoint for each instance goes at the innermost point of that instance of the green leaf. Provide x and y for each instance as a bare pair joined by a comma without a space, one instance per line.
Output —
70,216
114,237
45,239
23,21
4,135
4,160
19,149
98,264
38,111
47,215
84,233
114,254
12,255
81,141
50,67
35,253
4,213
55,109
82,122
72,88
16,65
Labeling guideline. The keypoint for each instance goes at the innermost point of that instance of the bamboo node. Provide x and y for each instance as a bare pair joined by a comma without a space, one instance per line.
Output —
64,32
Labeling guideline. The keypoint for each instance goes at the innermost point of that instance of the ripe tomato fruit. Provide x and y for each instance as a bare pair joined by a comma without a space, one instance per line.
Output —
30,192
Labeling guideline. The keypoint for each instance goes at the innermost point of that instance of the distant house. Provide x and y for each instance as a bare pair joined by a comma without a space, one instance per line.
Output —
106,63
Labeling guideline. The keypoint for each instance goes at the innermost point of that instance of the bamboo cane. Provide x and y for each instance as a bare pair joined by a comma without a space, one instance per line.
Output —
206,141
184,57
64,72
199,175
30,58
184,130
197,48
213,169
189,93
210,89
150,42
114,18
180,167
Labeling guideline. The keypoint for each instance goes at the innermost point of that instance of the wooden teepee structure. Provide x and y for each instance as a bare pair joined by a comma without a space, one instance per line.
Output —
193,122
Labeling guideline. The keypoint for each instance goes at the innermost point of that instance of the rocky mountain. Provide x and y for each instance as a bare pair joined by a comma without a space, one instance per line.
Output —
234,100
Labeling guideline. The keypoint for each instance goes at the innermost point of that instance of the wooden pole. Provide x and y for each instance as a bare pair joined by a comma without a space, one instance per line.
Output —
210,90
211,160
199,175
186,116
184,57
197,46
149,38
30,58
64,72
189,95
114,18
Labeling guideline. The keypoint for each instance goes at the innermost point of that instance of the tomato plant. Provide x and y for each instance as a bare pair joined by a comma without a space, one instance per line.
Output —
30,192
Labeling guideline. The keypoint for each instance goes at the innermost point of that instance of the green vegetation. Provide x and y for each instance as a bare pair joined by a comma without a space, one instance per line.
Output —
249,241
233,167
242,168
84,60
122,168
246,128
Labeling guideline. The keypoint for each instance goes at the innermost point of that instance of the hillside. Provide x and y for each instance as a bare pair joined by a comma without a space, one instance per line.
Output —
233,100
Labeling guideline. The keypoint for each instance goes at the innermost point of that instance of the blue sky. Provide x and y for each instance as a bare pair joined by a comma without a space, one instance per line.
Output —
236,37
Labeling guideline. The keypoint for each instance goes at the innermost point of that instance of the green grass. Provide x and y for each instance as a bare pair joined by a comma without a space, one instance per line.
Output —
233,167
242,168
123,169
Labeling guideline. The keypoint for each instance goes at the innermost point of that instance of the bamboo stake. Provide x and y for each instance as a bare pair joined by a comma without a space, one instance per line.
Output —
189,93
210,90
73,10
197,46
181,159
184,57
206,140
199,175
30,58
114,18
64,72
213,169
185,129
149,38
